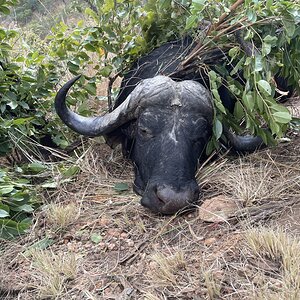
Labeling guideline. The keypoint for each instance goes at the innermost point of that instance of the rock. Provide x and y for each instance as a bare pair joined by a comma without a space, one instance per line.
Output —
130,243
217,209
209,241
124,235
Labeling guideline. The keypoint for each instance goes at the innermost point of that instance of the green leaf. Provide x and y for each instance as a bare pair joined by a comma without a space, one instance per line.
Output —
248,101
269,3
5,10
21,121
282,117
96,238
289,25
233,52
3,213
11,229
238,66
266,49
6,189
91,13
238,110
4,207
258,63
274,127
264,87
41,244
91,88
73,66
36,167
121,187
211,146
25,207
269,39
105,71
50,185
70,172
218,129
191,22
13,104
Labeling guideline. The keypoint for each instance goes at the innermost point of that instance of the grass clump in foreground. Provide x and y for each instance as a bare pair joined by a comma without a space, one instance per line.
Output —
61,216
53,272
165,267
276,245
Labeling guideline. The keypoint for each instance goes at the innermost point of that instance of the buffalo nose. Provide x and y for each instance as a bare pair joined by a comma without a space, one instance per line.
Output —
170,200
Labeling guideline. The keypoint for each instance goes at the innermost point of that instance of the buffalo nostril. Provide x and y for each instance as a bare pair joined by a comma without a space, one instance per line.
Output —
161,197
162,201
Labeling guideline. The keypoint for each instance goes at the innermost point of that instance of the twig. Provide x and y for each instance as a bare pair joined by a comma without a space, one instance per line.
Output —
222,18
133,254
232,8
109,88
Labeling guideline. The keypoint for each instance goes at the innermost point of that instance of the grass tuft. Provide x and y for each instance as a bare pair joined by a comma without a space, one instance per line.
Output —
165,267
253,183
276,245
212,285
61,216
53,272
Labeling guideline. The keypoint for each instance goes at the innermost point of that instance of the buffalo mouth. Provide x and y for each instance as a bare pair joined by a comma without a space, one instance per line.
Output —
167,200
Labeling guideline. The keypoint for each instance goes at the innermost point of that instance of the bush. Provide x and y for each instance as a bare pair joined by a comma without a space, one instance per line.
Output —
17,202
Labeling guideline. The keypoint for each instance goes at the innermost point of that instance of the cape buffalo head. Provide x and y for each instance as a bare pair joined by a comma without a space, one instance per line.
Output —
170,123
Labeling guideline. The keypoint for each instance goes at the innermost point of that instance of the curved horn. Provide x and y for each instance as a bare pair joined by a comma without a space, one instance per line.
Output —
92,126
148,92
243,144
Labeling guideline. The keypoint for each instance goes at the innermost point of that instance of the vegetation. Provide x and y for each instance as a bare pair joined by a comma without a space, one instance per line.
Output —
92,239
113,35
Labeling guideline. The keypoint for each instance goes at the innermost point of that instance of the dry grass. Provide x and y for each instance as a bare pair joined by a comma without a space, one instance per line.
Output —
256,182
164,268
276,245
60,216
140,255
52,272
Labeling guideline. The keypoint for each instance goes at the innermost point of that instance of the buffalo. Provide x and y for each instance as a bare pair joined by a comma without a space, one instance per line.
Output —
164,120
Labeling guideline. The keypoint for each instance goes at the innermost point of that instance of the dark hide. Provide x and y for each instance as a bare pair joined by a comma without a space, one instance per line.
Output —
168,141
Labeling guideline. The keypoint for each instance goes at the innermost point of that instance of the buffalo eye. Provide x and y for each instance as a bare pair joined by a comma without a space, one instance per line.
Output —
145,132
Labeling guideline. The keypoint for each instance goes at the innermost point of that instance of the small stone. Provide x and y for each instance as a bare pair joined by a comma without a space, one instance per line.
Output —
130,243
218,274
209,241
113,232
152,265
103,221
102,245
124,235
111,246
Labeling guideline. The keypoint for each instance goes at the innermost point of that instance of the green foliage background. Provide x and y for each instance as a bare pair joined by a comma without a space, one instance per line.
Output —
106,40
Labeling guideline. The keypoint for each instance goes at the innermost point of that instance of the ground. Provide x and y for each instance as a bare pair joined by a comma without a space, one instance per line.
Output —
93,240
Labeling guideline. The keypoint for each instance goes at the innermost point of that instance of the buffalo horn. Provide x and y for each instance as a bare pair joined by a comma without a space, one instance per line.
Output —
243,144
92,126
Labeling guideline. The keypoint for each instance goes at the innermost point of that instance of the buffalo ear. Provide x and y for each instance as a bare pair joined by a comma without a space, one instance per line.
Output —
123,135
114,138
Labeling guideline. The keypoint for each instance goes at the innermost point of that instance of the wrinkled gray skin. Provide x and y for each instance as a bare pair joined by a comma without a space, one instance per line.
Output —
170,123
